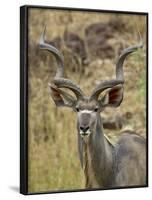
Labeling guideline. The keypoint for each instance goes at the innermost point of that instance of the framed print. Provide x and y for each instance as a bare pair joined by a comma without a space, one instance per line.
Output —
83,99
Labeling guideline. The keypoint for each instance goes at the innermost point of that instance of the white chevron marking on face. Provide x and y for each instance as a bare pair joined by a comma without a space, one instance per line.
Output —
86,111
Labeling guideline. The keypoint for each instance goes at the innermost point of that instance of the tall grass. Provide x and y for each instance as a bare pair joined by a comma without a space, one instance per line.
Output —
53,158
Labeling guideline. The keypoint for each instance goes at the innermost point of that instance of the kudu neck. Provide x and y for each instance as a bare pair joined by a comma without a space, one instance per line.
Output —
100,154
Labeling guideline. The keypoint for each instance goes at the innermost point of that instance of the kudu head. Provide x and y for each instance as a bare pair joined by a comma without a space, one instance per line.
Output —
88,108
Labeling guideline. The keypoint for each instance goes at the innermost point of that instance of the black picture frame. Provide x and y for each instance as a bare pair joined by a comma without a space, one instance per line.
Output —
24,94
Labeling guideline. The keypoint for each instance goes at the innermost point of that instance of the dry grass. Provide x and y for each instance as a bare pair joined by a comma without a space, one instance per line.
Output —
53,156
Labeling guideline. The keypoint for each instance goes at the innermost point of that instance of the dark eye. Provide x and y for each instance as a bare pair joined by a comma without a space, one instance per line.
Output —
96,109
77,109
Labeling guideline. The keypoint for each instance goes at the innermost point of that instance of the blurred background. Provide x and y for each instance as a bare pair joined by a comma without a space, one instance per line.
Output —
91,43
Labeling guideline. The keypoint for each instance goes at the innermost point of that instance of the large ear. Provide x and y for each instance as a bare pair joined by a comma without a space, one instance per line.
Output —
60,97
113,97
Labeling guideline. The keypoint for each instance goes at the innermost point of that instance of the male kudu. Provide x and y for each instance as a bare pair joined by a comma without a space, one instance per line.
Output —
104,165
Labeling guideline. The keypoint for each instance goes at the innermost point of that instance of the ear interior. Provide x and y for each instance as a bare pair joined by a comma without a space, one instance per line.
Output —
113,97
60,97
56,96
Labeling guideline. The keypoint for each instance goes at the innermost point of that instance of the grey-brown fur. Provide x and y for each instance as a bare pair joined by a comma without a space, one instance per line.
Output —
112,166
104,165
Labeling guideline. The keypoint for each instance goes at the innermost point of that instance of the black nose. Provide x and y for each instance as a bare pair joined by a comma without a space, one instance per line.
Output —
84,128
